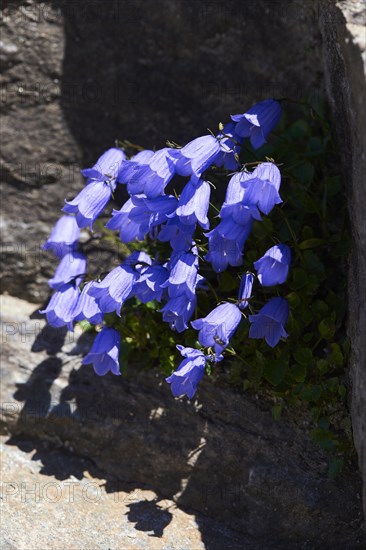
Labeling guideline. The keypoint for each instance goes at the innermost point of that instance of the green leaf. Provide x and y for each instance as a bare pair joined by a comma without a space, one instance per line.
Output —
227,282
322,366
304,173
299,129
293,299
320,308
327,328
275,371
300,278
336,356
298,372
303,356
311,243
313,262
311,393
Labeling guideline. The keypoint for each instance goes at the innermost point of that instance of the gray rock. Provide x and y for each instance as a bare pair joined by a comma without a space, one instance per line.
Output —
222,455
66,502
344,38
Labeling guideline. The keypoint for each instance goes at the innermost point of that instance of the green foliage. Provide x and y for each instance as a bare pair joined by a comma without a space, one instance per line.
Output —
308,370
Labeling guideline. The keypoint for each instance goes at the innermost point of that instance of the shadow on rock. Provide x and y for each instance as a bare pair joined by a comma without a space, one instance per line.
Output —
147,516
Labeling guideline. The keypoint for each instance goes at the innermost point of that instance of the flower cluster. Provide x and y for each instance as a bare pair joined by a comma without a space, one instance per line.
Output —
175,219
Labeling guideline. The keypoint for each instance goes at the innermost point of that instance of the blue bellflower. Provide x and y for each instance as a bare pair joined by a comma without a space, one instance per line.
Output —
139,215
129,167
230,145
148,285
64,236
227,240
87,307
107,166
190,372
91,200
245,290
71,266
129,229
272,268
115,289
258,121
178,311
152,178
216,329
178,234
222,252
198,155
194,202
60,310
269,322
183,275
262,185
104,352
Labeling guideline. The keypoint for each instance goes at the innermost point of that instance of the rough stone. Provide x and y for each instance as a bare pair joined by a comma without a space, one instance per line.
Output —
66,502
343,26
222,456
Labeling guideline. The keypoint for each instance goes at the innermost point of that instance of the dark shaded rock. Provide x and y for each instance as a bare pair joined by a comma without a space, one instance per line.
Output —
344,39
222,455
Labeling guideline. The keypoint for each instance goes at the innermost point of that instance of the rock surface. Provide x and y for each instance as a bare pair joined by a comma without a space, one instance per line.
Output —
343,26
222,456
66,502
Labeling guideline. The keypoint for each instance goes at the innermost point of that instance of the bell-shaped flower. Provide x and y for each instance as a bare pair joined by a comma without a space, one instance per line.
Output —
129,167
72,265
87,307
222,252
261,188
60,310
216,329
148,286
129,230
64,236
178,311
198,155
230,147
272,268
190,372
194,202
115,289
227,240
269,322
183,275
230,230
138,259
104,352
258,121
107,166
178,234
90,202
152,178
139,215
235,190
245,290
